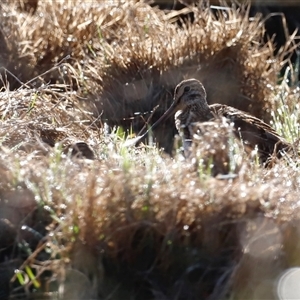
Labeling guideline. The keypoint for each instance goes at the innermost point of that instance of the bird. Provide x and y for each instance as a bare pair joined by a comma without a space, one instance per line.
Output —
190,106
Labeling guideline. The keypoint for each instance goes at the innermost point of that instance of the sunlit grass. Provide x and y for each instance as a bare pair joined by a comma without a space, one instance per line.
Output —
135,222
286,115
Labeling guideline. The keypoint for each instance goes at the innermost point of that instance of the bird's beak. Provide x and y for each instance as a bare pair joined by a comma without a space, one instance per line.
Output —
171,110
164,117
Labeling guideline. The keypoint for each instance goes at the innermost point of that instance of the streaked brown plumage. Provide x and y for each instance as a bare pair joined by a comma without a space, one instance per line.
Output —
190,106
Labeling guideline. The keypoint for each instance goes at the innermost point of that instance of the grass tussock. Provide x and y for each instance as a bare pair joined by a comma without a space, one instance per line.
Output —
174,232
65,30
82,216
88,46
41,118
223,49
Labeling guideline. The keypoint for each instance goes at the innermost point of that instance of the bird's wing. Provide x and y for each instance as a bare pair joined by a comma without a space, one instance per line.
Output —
251,130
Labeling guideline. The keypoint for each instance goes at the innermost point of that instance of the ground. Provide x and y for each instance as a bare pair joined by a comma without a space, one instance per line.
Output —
85,217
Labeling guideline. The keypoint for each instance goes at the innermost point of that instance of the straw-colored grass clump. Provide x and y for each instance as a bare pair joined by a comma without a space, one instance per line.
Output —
223,49
154,219
132,73
82,216
32,118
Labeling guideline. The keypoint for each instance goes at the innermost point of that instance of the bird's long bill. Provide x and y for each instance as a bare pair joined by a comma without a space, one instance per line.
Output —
164,117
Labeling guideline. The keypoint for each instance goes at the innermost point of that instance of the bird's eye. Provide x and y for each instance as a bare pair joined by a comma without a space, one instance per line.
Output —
186,89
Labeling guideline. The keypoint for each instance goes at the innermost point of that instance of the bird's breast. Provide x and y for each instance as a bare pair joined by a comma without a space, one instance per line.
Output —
179,120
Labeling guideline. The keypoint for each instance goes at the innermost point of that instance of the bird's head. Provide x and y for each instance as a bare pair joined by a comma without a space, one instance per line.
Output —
188,93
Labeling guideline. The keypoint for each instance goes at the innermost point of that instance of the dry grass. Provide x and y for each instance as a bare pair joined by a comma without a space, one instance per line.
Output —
175,233
134,223
222,49
130,74
30,117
